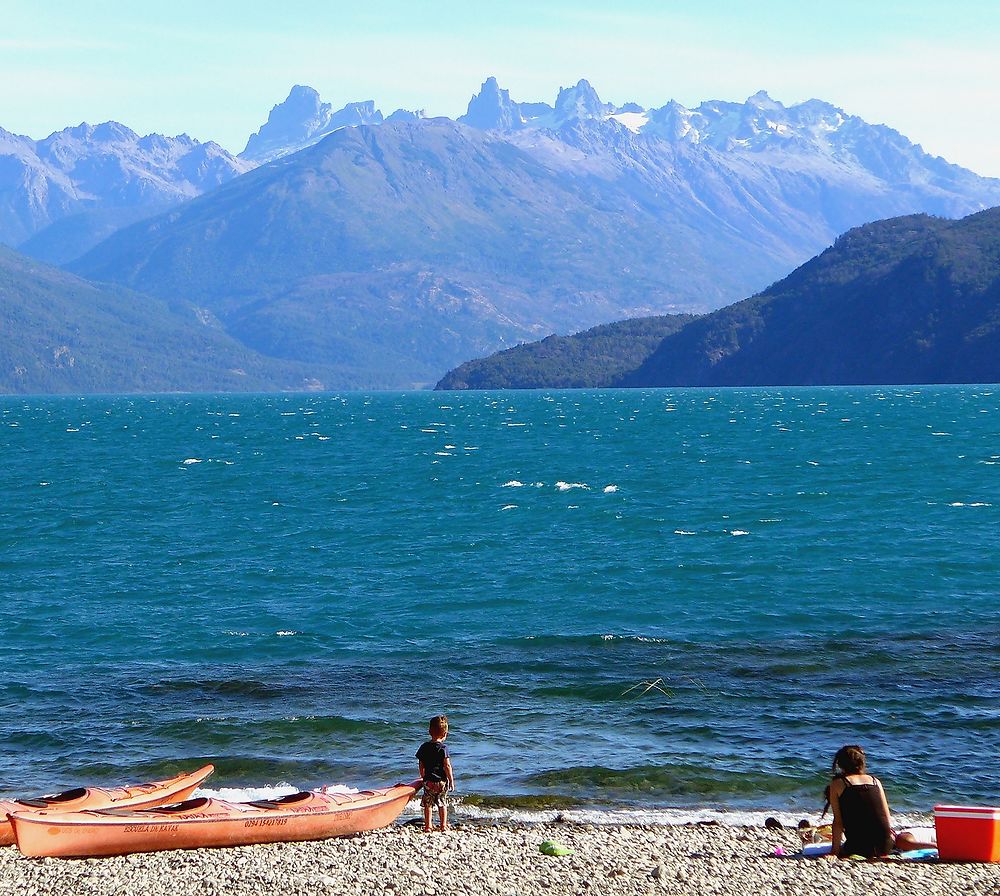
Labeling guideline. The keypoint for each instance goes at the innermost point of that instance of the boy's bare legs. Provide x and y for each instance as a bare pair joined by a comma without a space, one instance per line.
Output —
443,817
427,819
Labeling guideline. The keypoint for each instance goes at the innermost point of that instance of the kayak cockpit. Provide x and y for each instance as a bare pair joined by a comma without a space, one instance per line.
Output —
280,801
67,796
197,802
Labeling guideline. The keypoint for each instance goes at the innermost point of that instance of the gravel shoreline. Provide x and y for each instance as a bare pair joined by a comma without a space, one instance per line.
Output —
500,859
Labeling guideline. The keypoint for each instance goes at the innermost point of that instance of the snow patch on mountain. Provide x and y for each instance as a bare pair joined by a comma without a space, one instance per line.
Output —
634,121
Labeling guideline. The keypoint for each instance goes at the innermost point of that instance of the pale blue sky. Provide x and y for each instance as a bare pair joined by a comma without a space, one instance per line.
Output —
214,68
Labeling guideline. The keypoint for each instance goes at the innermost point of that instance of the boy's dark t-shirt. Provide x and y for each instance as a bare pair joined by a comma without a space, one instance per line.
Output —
432,755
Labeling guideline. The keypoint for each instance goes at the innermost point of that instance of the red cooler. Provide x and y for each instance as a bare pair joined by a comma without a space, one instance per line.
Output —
968,833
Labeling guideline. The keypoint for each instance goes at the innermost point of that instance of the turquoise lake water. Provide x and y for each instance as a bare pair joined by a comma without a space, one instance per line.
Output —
664,598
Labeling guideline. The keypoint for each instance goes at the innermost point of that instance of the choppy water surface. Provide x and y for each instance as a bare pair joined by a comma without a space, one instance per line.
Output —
683,598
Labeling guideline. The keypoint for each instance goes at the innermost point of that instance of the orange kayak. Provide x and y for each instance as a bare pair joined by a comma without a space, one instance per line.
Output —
208,822
135,796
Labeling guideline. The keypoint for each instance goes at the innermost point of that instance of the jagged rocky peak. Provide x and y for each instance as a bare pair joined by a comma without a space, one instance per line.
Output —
532,112
157,143
762,100
106,132
303,119
762,119
492,109
208,165
303,108
579,103
289,123
405,115
110,141
354,114
673,122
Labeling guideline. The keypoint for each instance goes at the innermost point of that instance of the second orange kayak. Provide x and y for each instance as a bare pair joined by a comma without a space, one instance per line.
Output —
207,822
134,796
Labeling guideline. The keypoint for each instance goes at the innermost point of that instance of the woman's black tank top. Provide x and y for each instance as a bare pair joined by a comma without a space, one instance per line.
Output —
868,832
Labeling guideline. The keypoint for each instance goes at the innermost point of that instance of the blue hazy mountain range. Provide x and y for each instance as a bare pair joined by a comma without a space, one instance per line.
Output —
61,195
103,177
392,248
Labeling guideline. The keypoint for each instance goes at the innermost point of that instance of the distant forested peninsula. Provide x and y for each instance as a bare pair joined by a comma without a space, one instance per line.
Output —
913,299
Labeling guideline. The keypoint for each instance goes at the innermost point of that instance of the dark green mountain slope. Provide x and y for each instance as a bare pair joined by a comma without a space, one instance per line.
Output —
62,334
908,300
914,299
595,359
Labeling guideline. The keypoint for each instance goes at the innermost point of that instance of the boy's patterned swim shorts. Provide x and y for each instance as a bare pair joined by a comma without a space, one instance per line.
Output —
435,794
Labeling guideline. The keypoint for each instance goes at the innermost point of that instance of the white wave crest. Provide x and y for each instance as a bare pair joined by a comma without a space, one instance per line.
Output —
514,483
246,794
610,489
657,817
267,792
566,486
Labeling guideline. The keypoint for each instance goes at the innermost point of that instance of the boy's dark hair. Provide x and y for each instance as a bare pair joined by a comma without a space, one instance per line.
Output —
438,726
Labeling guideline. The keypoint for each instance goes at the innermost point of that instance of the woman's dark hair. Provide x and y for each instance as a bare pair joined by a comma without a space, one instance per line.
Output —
850,760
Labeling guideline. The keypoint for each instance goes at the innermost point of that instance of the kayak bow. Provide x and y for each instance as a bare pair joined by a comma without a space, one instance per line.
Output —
134,796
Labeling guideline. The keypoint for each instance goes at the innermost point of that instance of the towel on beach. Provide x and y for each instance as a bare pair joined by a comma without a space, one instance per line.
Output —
814,850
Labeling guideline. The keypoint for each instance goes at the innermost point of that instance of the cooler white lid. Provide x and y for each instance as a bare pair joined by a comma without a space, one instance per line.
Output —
980,812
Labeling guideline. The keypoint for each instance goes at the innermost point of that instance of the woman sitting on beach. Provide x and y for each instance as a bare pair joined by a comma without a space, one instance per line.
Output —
861,811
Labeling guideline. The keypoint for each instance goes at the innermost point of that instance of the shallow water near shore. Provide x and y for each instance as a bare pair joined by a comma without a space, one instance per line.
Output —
639,599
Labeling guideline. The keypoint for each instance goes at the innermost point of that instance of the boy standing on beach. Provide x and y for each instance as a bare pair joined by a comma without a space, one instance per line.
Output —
435,769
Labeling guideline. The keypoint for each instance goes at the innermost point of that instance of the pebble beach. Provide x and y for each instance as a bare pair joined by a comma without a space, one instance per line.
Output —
501,859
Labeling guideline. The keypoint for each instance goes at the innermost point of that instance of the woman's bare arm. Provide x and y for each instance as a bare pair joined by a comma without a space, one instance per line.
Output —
885,804
836,789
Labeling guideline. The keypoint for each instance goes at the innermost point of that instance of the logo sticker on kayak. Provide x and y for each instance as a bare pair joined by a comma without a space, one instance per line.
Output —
146,828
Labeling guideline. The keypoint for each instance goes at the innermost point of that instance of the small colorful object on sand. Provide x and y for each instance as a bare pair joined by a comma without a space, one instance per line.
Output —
554,848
